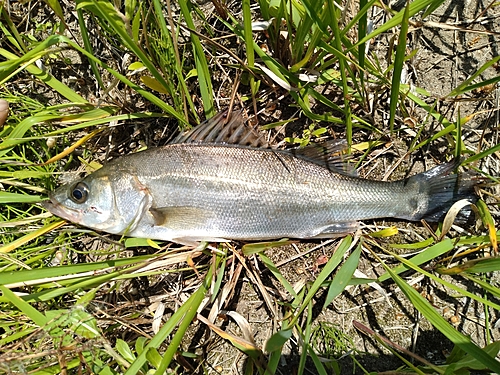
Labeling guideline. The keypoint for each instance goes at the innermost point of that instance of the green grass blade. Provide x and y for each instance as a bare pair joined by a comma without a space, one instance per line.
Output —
466,85
275,343
17,135
482,265
469,362
43,76
277,340
100,121
11,246
160,337
20,276
173,51
357,21
264,9
487,286
13,36
343,66
427,310
425,256
317,362
310,24
306,337
193,303
439,280
459,143
248,35
218,281
431,8
398,67
56,7
343,276
201,63
276,272
307,349
182,318
145,93
362,29
37,317
482,154
330,266
415,7
88,47
57,369
81,283
17,336
6,197
107,11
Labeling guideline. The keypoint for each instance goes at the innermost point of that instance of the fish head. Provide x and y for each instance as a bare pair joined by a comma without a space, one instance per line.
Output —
99,201
88,202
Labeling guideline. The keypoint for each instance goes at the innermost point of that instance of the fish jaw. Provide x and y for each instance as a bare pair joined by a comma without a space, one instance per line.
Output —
58,209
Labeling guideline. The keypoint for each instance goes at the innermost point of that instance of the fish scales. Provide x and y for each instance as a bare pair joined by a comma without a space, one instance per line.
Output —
259,194
194,191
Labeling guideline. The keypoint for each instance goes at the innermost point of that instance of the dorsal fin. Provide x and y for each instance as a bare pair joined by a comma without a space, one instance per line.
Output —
224,127
328,154
233,128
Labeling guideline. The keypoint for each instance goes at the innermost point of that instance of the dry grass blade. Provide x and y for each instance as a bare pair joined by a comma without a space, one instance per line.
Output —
451,215
489,223
372,333
246,346
73,147
31,236
245,327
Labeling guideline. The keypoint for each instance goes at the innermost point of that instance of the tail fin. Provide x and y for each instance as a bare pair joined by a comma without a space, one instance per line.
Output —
443,189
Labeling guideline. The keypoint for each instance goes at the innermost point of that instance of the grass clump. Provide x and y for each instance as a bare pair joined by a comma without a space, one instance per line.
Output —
97,79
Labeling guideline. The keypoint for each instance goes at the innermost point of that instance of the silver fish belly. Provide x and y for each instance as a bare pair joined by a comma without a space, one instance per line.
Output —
189,192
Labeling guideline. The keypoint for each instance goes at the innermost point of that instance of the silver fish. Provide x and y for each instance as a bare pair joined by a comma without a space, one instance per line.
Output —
217,183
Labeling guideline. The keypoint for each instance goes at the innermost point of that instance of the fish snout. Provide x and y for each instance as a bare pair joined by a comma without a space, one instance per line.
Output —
56,208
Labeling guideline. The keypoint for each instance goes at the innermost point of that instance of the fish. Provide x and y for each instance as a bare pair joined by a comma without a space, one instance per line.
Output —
222,181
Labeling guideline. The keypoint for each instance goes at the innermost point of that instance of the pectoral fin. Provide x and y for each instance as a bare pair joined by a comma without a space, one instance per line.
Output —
181,217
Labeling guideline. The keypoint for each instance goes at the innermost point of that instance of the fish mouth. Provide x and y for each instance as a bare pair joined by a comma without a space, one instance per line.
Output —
56,208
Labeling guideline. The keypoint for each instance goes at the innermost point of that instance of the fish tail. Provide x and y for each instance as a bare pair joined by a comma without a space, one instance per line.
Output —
439,189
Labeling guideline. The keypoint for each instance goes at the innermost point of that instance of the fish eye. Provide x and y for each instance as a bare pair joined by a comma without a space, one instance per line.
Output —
79,192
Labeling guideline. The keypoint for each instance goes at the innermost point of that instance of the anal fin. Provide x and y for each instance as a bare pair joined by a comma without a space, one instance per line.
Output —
338,229
196,242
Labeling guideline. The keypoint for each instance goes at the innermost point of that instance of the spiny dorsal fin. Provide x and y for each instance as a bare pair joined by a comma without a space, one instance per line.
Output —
328,154
224,127
232,128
